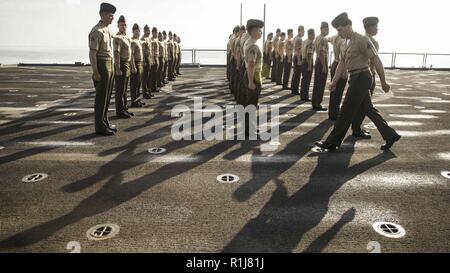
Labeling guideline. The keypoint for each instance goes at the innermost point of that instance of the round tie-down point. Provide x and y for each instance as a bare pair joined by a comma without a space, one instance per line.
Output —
156,151
388,229
1,147
291,115
35,177
446,174
319,150
370,126
228,127
70,114
227,178
102,232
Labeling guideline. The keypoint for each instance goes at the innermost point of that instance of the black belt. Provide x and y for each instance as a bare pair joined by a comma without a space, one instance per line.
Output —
357,71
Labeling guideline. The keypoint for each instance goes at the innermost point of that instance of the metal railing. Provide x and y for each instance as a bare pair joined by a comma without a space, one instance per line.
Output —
390,59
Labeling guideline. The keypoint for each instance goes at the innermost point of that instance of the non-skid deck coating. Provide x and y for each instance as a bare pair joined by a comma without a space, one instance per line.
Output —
287,199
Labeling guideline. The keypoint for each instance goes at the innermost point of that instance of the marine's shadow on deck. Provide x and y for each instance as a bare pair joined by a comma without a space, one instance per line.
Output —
284,220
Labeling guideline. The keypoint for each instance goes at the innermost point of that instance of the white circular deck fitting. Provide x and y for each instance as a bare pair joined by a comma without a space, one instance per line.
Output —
318,150
430,111
370,126
70,114
419,107
35,177
228,127
275,143
445,174
227,178
156,151
274,97
1,147
388,229
102,232
291,115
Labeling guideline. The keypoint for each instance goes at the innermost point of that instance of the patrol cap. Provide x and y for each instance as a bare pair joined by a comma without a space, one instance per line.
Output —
170,32
323,25
121,19
301,28
164,32
341,20
135,26
242,28
106,7
146,27
236,29
310,31
290,31
370,21
270,34
278,30
254,23
283,33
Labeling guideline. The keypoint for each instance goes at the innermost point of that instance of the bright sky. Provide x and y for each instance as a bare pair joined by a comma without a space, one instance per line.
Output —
405,26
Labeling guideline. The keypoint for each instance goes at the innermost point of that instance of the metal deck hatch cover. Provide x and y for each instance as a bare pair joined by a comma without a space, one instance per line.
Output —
35,177
102,232
445,174
227,178
388,229
370,126
156,151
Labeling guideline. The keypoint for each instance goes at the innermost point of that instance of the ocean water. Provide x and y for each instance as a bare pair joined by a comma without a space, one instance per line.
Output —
43,55
70,56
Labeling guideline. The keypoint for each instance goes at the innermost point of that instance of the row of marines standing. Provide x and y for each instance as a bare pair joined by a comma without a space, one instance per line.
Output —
146,62
280,54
